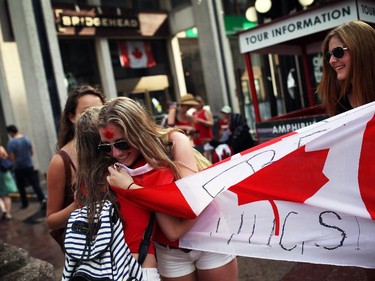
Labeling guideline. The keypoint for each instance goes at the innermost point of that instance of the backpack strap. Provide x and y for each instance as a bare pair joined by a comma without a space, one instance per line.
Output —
145,244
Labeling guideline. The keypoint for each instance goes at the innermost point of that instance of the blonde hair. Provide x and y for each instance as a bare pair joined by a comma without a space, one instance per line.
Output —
359,38
141,132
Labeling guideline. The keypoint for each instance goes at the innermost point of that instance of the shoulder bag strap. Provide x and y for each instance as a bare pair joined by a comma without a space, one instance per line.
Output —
145,244
68,165
67,160
68,173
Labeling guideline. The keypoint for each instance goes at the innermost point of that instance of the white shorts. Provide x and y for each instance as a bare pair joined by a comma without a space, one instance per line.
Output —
174,263
150,274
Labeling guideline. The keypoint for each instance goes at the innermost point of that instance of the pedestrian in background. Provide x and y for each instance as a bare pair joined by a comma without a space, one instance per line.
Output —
203,123
7,186
240,137
223,124
63,165
3,152
178,115
348,79
20,153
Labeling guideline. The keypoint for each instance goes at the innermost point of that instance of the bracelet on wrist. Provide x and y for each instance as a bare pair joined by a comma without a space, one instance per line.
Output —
130,185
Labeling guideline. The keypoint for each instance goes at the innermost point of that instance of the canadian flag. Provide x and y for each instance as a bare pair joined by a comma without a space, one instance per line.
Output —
308,196
136,54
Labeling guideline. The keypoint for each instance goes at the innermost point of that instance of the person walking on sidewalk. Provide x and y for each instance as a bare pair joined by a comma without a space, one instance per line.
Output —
20,152
7,186
203,123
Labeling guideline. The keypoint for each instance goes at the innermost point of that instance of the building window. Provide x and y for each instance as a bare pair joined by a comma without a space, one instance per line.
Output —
79,62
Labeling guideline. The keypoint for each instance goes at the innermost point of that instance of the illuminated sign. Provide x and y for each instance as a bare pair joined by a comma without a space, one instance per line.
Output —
306,23
89,21
97,21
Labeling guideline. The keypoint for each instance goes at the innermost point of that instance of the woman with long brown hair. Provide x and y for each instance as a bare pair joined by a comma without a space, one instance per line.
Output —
62,167
348,79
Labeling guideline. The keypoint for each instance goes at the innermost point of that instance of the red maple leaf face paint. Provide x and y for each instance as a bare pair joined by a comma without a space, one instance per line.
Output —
108,132
111,133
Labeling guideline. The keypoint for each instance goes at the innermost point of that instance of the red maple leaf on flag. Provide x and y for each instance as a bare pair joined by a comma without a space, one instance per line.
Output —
295,177
366,171
137,53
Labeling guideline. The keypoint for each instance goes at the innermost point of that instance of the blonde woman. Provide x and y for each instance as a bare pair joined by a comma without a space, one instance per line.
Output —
130,136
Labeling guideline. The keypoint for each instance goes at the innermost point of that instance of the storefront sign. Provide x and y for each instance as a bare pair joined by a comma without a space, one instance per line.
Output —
99,21
95,21
303,24
268,130
366,11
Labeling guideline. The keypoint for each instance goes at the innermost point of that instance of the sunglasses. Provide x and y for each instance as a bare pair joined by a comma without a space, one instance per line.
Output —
107,147
337,52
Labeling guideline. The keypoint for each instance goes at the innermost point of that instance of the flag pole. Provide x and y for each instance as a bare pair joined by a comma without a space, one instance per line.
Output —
253,91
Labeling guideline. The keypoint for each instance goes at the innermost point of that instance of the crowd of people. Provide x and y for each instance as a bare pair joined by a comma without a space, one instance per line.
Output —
94,134
196,120
108,147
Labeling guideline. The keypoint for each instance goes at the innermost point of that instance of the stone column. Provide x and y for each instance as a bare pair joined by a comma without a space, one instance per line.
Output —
176,66
39,124
53,45
12,89
179,20
103,56
107,77
215,54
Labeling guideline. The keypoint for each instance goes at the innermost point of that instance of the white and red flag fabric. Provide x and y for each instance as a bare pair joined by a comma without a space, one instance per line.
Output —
308,196
136,54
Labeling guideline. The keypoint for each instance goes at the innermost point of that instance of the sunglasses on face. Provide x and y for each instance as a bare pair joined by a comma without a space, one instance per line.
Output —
107,147
337,52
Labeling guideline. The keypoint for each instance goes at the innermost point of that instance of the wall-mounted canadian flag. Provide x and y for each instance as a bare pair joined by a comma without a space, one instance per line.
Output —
136,54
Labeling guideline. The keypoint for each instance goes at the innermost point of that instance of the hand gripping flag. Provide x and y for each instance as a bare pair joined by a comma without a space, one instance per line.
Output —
307,196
